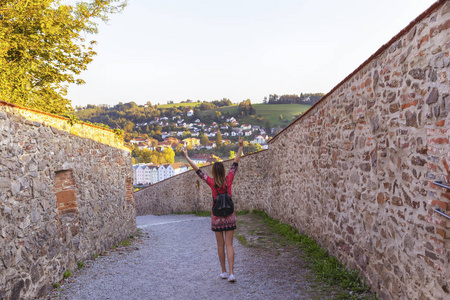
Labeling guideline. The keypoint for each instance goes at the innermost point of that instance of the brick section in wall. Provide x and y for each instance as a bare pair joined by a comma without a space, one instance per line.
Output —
129,196
66,202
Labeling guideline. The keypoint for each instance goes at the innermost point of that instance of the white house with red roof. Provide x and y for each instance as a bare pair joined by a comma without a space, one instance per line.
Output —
203,158
139,140
142,146
260,139
180,168
211,145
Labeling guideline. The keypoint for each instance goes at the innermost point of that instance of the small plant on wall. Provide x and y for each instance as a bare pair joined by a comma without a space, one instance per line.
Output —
67,274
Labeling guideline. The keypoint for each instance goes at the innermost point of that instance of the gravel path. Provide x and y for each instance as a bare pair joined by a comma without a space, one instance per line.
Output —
177,259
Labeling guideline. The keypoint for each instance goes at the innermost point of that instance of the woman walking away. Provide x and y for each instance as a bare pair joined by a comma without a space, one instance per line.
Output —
222,226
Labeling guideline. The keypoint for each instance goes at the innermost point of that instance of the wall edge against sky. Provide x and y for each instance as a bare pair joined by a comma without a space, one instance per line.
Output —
402,32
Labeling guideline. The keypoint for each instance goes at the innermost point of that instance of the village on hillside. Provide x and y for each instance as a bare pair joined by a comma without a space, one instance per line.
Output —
190,135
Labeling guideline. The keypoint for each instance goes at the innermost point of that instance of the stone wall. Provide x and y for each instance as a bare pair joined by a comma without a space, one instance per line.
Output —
369,153
65,194
187,192
356,171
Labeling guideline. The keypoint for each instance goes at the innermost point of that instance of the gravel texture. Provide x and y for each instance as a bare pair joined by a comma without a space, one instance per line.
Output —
176,258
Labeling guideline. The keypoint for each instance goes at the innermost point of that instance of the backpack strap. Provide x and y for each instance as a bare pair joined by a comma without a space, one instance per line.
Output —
226,188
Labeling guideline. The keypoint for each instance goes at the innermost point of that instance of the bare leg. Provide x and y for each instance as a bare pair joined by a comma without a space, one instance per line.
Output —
221,250
230,250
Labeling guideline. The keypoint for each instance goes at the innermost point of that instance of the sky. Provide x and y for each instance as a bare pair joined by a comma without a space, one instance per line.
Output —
174,50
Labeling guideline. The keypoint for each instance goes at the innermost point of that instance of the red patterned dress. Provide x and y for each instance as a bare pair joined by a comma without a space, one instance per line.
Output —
221,223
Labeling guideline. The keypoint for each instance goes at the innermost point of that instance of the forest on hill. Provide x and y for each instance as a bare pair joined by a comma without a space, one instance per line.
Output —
308,98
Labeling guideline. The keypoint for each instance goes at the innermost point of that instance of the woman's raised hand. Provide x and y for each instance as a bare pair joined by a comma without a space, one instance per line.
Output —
184,152
241,142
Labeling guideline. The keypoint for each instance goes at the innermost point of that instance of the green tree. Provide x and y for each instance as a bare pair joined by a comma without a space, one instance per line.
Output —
169,156
245,108
218,139
145,156
178,149
204,140
186,134
207,106
128,126
43,49
267,127
156,157
154,143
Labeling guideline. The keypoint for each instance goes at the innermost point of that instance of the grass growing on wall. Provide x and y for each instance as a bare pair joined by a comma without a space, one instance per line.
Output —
326,267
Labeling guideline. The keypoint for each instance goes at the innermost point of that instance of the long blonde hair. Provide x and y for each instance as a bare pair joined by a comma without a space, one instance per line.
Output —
218,173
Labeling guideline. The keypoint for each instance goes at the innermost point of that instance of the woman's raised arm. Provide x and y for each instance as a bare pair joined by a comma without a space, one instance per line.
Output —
193,165
239,153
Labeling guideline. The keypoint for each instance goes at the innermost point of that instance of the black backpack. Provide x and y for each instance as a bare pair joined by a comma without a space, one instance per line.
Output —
223,204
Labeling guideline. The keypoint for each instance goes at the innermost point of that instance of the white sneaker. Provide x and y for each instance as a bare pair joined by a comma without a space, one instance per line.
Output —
231,278
224,275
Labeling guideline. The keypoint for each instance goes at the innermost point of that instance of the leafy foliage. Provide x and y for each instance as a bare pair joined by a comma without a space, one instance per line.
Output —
245,108
204,140
67,274
43,49
219,139
80,265
167,156
308,98
72,119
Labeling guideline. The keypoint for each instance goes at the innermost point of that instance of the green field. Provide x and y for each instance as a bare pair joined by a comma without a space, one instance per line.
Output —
232,110
271,112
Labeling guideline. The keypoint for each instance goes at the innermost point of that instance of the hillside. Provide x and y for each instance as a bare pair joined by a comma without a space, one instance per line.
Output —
126,116
271,112
184,120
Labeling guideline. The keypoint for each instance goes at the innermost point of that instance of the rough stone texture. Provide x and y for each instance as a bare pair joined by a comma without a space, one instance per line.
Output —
187,192
356,171
63,198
